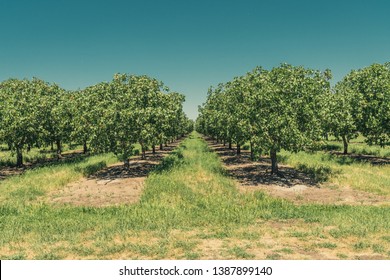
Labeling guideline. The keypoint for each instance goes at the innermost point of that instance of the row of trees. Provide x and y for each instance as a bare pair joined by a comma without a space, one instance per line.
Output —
107,117
293,108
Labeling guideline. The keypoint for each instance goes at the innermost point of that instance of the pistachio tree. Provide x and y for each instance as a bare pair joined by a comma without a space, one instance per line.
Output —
238,123
341,114
289,109
56,116
21,109
371,89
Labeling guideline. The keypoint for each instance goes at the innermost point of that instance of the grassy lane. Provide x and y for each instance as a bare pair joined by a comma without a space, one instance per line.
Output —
190,209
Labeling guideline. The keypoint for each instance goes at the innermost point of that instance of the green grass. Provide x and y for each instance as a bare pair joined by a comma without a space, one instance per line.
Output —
341,171
187,201
34,183
335,171
240,253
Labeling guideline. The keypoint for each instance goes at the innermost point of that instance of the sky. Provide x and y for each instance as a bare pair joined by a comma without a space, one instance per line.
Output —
189,45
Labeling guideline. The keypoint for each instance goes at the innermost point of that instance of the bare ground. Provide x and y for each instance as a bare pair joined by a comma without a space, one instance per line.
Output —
293,185
113,185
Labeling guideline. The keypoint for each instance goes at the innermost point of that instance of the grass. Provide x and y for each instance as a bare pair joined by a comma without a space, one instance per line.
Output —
341,171
34,183
189,209
336,171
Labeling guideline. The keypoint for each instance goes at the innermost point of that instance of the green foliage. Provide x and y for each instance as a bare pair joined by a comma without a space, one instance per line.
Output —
128,110
370,87
340,114
22,112
293,108
107,117
274,110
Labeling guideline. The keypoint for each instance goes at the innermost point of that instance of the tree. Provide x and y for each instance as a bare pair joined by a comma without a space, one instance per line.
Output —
341,114
21,108
289,109
371,88
238,128
56,115
93,116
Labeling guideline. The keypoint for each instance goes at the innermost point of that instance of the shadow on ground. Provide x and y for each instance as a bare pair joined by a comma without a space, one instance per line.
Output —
66,158
138,167
252,173
350,158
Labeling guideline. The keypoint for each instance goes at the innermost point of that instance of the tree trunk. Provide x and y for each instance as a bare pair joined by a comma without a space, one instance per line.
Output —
127,163
143,156
52,146
252,155
19,157
230,144
85,147
345,142
59,148
154,149
224,142
238,149
274,162
161,146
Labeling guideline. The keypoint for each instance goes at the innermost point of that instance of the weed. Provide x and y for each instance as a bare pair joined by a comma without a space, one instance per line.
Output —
342,256
273,256
361,245
240,253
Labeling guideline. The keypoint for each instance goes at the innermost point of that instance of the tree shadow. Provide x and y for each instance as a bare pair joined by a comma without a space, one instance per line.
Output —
158,162
138,167
329,147
69,158
250,173
347,159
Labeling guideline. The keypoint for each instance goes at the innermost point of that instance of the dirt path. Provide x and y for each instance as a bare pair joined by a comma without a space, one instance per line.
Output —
113,185
294,185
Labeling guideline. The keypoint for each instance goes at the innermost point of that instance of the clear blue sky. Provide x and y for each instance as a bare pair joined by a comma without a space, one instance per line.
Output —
189,45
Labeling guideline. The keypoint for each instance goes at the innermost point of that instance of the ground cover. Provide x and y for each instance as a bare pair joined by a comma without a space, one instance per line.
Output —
190,208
